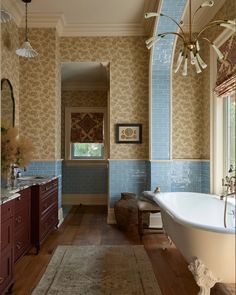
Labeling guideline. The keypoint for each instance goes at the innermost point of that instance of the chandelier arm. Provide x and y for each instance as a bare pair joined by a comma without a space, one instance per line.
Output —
211,24
161,14
162,35
26,22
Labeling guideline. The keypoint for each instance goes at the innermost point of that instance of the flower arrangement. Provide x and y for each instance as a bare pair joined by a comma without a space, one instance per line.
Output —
15,150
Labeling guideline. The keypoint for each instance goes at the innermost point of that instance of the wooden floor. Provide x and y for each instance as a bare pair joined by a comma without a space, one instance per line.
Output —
86,225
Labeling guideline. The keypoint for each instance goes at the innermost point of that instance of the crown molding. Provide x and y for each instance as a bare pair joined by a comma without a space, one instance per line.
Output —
85,30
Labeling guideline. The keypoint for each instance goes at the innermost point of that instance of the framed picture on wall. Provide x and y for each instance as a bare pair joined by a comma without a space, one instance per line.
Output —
128,133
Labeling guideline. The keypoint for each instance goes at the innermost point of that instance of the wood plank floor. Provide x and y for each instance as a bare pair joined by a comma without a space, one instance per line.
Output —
86,225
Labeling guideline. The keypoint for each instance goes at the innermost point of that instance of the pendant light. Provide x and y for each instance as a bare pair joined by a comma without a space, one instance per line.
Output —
26,49
5,16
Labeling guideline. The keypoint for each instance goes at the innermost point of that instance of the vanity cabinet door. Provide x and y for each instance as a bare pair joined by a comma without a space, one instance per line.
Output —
44,211
7,246
22,223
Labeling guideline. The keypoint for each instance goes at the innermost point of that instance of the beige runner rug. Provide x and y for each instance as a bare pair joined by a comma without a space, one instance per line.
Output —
99,270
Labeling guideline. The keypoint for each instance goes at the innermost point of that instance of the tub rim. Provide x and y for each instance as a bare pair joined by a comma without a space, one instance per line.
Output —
158,198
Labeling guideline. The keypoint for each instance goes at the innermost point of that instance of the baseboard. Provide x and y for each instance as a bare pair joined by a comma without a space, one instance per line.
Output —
84,199
155,220
111,219
60,216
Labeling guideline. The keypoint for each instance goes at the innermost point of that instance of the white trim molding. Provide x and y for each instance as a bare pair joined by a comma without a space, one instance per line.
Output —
216,121
60,216
111,219
84,199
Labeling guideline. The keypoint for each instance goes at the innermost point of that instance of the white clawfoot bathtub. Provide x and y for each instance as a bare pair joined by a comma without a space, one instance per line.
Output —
195,223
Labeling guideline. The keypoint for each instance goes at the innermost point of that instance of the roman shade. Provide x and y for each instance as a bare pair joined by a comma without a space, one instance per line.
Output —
226,69
87,127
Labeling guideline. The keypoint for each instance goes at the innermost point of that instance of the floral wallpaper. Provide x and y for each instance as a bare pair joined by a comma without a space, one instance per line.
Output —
187,113
10,61
129,63
191,101
79,99
40,95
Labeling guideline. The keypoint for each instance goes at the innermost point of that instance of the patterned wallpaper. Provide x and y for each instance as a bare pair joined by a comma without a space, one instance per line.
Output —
129,63
10,61
187,113
191,101
79,99
226,12
39,91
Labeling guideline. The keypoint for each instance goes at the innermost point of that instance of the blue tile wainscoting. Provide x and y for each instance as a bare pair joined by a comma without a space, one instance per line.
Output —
127,176
48,168
139,175
84,179
161,80
181,175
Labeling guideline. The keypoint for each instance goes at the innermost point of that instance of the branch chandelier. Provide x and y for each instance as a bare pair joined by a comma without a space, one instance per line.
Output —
190,47
26,49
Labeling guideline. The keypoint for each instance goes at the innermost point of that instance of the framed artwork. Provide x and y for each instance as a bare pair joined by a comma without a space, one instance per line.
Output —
128,133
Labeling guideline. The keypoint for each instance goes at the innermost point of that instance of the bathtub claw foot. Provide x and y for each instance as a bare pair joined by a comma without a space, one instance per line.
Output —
203,276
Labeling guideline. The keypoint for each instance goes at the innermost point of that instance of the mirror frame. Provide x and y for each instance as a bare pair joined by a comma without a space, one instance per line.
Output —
12,96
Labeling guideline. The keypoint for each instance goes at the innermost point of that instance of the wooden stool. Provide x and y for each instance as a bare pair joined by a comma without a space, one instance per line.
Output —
143,208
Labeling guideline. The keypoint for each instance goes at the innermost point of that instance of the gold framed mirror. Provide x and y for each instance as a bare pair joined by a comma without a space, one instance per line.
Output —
7,104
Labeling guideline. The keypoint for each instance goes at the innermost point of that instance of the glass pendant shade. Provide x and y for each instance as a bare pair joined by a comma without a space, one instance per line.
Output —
5,16
26,50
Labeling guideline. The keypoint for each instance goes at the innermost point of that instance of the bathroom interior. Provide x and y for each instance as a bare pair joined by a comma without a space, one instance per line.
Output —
104,98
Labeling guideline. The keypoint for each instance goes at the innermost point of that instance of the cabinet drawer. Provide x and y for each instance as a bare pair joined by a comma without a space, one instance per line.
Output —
48,222
48,202
22,242
23,200
6,269
7,210
6,234
22,218
48,188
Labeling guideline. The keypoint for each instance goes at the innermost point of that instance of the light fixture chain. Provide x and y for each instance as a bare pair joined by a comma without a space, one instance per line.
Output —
26,22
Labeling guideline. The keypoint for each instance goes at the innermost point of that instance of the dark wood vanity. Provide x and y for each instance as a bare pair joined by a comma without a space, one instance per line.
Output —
26,221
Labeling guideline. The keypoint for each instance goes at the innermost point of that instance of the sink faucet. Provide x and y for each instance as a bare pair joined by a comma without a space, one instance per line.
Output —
229,183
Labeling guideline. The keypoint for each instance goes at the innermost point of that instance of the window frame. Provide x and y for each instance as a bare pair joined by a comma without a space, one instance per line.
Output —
68,144
217,137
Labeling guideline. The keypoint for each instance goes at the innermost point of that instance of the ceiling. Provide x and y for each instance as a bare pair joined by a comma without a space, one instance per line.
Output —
85,76
86,17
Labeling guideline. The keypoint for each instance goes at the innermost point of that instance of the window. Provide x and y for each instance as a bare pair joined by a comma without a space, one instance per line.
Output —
229,132
85,133
87,150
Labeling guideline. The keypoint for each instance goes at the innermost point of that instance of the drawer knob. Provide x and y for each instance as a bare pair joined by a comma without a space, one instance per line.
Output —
1,280
19,219
18,245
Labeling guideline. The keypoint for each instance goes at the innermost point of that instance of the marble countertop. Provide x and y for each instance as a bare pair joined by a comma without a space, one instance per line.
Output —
19,184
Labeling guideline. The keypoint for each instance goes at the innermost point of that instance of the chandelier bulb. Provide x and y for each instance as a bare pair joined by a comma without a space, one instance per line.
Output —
200,61
179,61
228,26
185,69
208,3
192,57
198,69
217,50
197,46
151,14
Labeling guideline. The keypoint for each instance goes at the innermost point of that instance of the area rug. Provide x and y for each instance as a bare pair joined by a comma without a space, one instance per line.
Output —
99,270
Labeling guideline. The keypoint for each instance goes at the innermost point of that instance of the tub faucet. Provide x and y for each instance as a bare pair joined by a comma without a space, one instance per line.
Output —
229,183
